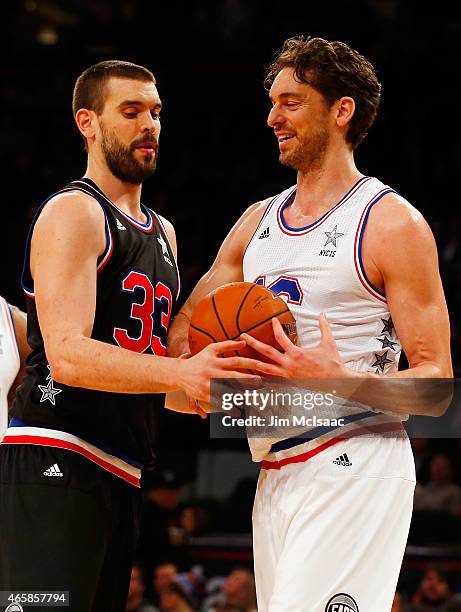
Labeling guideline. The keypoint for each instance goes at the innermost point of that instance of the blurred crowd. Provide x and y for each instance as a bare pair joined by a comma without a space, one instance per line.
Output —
435,592
169,590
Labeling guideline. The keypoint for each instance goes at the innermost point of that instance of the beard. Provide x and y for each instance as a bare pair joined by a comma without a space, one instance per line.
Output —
121,159
309,154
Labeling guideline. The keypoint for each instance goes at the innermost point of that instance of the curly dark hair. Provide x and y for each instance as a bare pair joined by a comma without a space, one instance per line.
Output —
335,70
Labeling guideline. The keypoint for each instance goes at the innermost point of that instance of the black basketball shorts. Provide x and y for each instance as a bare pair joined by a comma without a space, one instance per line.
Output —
66,525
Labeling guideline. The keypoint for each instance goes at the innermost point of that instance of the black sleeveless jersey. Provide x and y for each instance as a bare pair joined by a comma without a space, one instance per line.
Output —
137,287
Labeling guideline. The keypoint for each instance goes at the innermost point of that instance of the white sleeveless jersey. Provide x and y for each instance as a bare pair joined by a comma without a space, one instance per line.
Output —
9,360
319,268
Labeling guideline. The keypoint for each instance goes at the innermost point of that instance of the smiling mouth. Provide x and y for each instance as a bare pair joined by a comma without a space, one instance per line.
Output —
284,138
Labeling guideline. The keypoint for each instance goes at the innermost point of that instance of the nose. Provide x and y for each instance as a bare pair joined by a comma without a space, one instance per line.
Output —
150,124
274,117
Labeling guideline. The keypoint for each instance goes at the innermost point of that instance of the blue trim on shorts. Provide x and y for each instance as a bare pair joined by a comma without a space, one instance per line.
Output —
317,432
103,447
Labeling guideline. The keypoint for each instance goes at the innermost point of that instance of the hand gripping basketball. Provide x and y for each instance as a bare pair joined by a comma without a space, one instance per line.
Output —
237,308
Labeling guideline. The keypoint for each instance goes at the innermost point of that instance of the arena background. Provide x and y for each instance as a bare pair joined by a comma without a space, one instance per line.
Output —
217,157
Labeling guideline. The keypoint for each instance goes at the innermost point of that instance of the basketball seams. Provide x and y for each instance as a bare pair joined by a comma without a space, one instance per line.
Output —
202,331
275,315
239,310
218,317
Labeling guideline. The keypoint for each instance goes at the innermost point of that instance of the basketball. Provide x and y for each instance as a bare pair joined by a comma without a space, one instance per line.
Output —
238,308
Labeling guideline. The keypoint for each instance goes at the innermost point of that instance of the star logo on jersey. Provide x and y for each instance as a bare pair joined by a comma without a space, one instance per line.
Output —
388,326
49,392
387,343
381,361
332,236
120,226
166,255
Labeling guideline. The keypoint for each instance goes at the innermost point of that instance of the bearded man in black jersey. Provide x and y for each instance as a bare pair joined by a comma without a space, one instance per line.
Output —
101,282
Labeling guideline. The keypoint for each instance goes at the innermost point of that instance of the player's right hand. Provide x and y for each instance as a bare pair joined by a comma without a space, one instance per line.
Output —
195,373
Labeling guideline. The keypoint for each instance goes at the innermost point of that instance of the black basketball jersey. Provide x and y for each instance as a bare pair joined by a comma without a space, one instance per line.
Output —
137,287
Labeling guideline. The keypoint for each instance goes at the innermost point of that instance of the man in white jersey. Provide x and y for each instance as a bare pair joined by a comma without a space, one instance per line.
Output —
358,266
13,352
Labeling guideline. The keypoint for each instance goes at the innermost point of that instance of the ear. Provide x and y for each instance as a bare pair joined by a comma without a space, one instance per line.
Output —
86,123
345,108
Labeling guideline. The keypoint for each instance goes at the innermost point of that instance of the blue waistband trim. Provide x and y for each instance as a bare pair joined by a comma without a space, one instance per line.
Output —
317,432
17,423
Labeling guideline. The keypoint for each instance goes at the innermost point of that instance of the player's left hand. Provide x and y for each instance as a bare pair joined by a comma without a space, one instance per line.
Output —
322,361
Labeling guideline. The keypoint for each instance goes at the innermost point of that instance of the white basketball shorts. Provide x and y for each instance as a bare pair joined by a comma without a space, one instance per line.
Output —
330,532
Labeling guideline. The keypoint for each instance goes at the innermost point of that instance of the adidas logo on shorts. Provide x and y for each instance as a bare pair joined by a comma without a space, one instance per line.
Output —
342,460
53,471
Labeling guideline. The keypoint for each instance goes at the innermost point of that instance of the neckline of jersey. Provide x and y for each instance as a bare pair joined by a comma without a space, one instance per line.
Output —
143,226
291,197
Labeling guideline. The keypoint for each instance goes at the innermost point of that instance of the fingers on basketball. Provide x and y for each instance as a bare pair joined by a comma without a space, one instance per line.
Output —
238,308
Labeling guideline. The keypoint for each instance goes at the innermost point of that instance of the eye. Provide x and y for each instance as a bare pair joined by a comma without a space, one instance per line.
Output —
130,114
155,115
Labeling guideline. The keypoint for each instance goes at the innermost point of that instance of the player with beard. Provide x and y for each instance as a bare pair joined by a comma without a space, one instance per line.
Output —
101,281
333,506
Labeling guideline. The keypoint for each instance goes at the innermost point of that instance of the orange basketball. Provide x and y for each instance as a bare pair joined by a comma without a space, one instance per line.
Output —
233,309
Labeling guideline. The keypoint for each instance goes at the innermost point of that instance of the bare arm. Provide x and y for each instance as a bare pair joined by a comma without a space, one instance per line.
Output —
402,248
227,268
67,240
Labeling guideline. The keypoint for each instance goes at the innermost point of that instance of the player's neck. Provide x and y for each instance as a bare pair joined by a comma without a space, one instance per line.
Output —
125,196
321,188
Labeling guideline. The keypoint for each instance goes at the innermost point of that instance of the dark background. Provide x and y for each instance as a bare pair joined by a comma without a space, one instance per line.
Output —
217,154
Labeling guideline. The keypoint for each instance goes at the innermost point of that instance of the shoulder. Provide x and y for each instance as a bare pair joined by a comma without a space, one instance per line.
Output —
71,205
258,209
253,214
394,218
243,230
71,218
392,207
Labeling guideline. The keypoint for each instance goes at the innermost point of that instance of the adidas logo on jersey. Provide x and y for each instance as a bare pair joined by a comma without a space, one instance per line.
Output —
264,234
53,471
342,460
120,226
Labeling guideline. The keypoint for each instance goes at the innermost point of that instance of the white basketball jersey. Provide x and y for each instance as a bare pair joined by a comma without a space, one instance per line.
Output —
319,268
9,360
